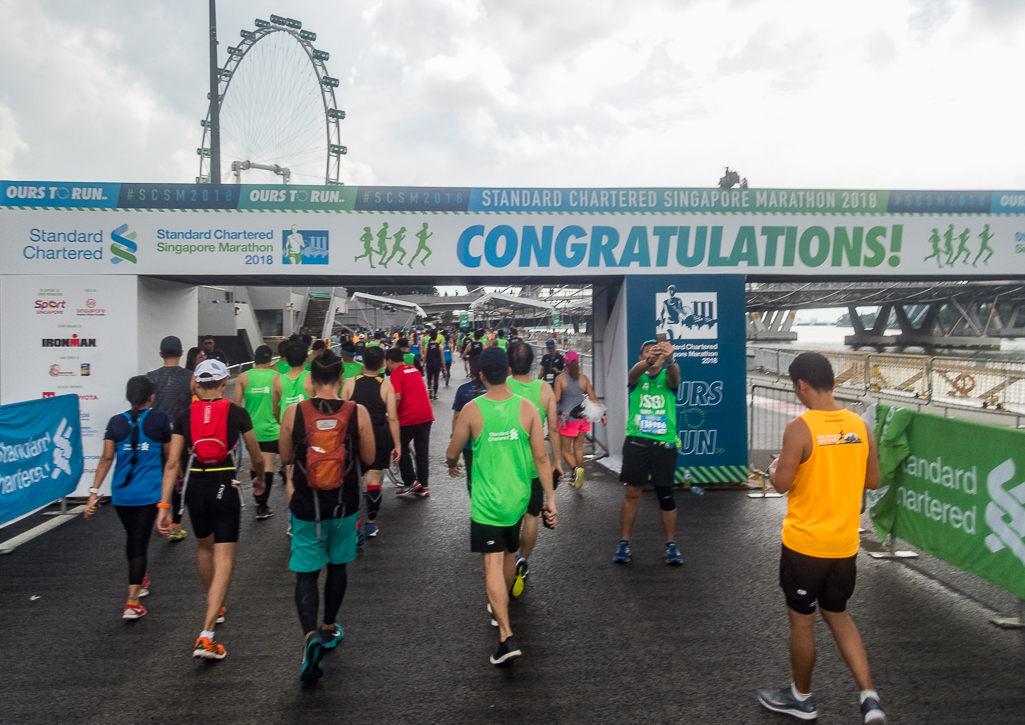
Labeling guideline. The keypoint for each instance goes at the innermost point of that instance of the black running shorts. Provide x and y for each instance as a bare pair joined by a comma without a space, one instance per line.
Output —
269,446
647,462
485,539
537,498
215,507
806,580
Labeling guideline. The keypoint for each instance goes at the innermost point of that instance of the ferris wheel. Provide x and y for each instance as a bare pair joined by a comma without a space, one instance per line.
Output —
279,118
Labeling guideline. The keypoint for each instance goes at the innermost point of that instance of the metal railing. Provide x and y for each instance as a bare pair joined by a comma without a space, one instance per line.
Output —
971,382
771,407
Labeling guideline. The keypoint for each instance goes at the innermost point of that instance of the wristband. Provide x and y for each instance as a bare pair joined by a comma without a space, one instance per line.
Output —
94,491
163,505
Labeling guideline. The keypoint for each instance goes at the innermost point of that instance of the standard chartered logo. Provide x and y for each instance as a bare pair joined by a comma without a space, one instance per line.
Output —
1006,533
123,246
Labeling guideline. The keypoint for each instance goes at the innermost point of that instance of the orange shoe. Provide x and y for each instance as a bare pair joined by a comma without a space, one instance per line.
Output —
220,616
208,649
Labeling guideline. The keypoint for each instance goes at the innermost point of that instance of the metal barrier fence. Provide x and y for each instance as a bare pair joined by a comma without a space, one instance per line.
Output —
969,381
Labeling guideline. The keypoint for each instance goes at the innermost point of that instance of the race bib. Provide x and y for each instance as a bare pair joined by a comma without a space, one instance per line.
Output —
654,424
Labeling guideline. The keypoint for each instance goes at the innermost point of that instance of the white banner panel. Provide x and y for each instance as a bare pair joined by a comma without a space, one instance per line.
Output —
417,244
70,334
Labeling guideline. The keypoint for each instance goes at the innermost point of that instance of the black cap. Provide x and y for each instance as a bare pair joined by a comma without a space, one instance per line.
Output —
348,348
171,345
493,357
263,354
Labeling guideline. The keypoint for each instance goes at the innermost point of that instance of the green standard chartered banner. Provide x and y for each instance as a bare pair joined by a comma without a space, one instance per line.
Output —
954,489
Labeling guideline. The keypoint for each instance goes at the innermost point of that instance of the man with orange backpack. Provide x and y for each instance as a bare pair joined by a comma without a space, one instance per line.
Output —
205,435
329,442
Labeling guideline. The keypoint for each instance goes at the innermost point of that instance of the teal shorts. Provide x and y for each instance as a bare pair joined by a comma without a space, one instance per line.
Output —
338,546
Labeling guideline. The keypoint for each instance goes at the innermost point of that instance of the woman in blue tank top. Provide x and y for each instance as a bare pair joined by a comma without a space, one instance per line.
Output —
136,439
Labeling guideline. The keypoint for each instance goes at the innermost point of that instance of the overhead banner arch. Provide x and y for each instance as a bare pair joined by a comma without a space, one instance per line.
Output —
182,229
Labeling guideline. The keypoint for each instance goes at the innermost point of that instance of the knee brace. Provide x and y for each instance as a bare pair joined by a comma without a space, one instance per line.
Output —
666,501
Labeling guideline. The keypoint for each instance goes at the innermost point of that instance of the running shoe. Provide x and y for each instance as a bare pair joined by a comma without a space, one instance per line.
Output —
517,587
288,531
422,492
370,530
144,589
313,650
208,649
507,651
263,511
623,552
522,568
332,637
872,712
673,555
415,489
783,701
220,616
177,534
133,611
578,482
360,538
494,622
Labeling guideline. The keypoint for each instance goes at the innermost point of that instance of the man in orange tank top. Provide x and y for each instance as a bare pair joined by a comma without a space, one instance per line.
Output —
828,458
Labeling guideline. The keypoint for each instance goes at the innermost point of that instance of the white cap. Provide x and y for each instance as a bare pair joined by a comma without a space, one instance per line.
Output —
210,370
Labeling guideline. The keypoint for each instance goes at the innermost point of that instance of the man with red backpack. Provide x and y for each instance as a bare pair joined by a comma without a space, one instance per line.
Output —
205,435
329,442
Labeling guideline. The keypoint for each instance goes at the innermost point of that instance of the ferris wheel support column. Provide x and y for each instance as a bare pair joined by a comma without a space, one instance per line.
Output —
215,101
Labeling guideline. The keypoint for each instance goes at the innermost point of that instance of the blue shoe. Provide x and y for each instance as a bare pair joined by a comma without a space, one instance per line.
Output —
783,701
673,555
313,650
359,537
522,568
622,553
370,530
332,637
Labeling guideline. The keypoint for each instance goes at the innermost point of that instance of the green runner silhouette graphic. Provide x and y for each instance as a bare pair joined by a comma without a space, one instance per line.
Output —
985,236
382,244
934,240
423,235
397,247
368,250
963,237
948,243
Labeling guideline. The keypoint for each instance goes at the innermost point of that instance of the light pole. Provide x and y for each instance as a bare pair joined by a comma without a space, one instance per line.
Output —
215,101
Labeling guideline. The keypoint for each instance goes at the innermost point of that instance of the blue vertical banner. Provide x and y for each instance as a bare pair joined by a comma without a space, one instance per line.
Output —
703,317
40,454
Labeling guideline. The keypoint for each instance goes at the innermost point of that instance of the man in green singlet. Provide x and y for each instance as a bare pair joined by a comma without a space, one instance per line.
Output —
294,386
254,392
507,438
350,368
649,451
282,365
540,393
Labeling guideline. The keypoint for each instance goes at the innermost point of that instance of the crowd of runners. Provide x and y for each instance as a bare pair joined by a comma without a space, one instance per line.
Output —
335,415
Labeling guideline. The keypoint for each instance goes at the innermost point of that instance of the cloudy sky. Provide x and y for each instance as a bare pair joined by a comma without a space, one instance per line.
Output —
794,93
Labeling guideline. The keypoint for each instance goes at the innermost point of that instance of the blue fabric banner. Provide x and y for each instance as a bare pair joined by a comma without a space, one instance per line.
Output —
40,454
703,317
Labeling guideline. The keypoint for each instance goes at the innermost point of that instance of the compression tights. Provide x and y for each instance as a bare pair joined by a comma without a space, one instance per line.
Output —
138,522
307,598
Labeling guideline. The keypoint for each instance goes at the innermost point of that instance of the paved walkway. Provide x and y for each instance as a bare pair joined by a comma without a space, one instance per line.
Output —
641,643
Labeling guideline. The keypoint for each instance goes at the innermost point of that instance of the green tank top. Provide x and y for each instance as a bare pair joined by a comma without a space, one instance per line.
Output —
530,391
501,474
501,343
652,410
259,404
292,390
283,366
352,370
408,358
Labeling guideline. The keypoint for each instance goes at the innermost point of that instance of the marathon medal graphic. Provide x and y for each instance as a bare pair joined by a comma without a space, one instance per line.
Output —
687,315
304,246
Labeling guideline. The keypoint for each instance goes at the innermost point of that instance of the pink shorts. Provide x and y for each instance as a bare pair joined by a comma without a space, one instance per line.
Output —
572,428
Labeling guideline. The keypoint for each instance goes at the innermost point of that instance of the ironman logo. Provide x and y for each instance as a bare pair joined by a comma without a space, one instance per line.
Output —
123,247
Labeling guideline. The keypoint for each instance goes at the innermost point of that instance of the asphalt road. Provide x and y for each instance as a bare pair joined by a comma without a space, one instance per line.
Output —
603,643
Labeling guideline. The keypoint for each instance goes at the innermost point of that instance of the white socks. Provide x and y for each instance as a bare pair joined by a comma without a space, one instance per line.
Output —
865,694
205,633
799,696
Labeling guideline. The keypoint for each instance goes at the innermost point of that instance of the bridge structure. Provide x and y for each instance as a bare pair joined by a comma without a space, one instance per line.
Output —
928,313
